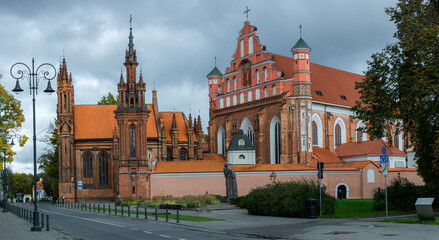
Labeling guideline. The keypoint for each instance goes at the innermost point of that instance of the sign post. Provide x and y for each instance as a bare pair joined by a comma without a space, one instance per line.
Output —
79,189
320,166
384,160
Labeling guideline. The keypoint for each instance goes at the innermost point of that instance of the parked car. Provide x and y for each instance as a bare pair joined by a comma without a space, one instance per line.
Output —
44,199
19,197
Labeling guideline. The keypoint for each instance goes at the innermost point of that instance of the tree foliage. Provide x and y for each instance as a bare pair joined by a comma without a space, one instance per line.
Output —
401,84
110,99
48,162
11,119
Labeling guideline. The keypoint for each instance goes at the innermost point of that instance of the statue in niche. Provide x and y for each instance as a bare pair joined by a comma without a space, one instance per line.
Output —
231,186
246,75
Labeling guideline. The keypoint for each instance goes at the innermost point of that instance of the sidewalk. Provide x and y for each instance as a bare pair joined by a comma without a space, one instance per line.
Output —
13,227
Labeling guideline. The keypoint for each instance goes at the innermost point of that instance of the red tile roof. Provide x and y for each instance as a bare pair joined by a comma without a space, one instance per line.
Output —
366,148
330,81
181,125
324,155
94,121
348,166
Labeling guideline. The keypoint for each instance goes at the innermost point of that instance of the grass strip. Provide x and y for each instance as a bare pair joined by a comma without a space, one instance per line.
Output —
411,221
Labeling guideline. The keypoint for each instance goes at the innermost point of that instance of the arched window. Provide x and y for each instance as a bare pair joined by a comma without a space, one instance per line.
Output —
361,135
396,140
228,85
234,84
168,155
275,141
250,45
87,164
274,90
257,93
182,155
370,175
103,168
234,100
221,141
257,77
337,135
242,48
221,103
132,141
249,96
265,92
315,138
228,102
132,102
241,98
265,74
247,128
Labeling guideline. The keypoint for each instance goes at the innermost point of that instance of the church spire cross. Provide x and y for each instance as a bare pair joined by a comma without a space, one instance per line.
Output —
300,29
246,11
215,61
131,20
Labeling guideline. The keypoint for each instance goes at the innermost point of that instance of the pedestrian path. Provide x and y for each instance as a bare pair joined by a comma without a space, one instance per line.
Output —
13,227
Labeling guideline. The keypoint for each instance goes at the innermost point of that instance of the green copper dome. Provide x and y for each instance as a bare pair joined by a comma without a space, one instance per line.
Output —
215,72
301,45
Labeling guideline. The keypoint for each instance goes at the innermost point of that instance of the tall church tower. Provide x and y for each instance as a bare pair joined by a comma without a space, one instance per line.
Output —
301,100
132,117
65,126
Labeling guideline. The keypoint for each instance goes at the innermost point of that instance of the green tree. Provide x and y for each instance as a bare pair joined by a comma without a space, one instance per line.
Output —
11,119
48,162
401,84
110,99
19,183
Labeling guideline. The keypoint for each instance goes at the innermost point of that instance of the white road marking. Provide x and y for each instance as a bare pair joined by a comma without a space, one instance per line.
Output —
166,236
91,220
147,232
181,239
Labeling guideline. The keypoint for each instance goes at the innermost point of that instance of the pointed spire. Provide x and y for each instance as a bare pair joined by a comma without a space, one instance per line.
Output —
199,128
130,53
190,120
131,44
174,122
140,77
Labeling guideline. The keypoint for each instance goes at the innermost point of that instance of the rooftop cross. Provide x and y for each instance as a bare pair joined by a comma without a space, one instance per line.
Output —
300,27
131,20
246,11
215,61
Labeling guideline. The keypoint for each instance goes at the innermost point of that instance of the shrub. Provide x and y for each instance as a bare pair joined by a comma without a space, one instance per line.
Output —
240,201
287,199
192,205
379,200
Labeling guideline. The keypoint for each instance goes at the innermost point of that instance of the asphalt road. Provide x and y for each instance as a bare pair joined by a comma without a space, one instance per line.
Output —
90,225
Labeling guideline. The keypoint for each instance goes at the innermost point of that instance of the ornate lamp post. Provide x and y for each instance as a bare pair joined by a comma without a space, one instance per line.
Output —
33,78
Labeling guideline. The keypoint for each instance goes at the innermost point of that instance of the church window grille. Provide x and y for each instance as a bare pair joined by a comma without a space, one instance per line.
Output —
241,98
257,93
228,102
265,92
87,165
315,138
132,141
249,96
396,140
234,100
257,77
274,90
337,135
250,45
242,48
182,155
103,168
265,74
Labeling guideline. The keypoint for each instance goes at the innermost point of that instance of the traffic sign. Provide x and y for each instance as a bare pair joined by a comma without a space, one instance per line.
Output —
385,168
319,175
79,184
384,158
384,150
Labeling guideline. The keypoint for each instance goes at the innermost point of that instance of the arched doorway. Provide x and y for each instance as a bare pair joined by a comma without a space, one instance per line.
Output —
342,191
247,128
221,141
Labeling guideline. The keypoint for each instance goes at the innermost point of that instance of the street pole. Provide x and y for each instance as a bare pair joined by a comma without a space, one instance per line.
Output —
33,78
5,198
320,190
385,181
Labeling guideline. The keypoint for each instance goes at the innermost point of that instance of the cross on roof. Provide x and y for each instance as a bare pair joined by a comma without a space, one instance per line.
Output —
300,27
215,61
246,11
131,19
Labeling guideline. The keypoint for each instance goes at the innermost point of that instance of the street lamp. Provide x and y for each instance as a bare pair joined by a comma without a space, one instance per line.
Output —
33,78
5,179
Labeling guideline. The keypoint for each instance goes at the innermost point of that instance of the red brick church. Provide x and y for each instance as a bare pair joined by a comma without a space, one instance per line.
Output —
113,148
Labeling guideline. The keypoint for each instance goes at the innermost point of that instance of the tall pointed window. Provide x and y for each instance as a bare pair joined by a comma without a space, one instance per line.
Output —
249,96
242,48
274,90
265,75
182,155
257,77
250,45
241,98
265,92
132,141
275,141
396,140
103,168
337,135
257,94
315,138
87,165
168,155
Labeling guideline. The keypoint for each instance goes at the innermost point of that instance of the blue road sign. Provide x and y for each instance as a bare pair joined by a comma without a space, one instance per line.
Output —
319,175
384,150
79,184
384,158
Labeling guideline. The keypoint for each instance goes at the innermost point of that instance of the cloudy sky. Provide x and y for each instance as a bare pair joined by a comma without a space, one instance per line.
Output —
176,42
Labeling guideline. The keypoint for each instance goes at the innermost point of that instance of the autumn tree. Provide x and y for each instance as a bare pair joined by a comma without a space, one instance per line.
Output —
48,161
110,99
401,84
11,119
